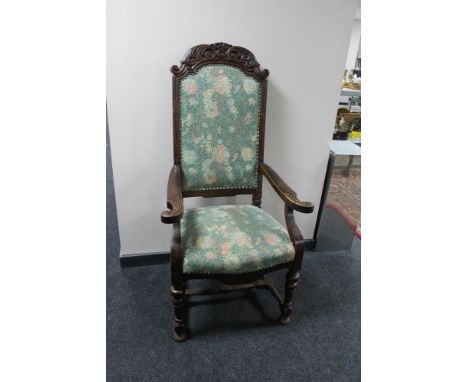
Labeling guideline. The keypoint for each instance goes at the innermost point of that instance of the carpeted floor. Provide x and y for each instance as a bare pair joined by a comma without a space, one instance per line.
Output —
235,338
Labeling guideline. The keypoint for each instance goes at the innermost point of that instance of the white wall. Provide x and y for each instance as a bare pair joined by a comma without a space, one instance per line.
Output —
303,43
354,44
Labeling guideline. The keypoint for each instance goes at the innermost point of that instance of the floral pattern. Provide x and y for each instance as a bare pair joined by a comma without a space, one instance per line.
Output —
219,127
232,239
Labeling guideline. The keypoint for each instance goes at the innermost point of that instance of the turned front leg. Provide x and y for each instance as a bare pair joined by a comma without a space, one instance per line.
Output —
292,279
179,301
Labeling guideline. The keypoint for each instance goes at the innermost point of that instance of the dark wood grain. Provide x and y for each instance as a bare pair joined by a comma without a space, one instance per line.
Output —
292,279
175,200
284,191
219,53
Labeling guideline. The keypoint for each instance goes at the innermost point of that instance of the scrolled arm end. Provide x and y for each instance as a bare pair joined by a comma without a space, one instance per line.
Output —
175,212
300,205
284,191
175,201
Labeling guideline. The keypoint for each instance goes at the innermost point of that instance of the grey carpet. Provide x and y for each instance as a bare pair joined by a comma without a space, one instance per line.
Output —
334,233
234,338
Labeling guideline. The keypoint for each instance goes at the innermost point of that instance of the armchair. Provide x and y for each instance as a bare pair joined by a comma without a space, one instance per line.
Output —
219,102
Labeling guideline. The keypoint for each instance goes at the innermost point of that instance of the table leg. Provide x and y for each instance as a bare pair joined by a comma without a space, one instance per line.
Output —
348,168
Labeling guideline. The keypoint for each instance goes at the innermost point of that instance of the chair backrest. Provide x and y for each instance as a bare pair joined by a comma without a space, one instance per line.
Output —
219,99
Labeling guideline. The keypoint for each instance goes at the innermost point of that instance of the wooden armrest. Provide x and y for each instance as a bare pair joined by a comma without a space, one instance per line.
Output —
284,191
175,201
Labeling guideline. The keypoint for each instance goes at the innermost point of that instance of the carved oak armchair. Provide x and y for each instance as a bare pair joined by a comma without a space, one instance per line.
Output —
219,100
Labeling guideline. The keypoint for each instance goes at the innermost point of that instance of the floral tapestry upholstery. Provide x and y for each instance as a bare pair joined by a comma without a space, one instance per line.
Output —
219,129
232,239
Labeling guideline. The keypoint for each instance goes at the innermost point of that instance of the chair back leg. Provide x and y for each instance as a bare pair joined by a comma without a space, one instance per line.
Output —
292,279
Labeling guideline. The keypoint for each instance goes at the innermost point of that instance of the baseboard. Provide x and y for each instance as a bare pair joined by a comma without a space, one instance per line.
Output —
309,244
142,259
156,258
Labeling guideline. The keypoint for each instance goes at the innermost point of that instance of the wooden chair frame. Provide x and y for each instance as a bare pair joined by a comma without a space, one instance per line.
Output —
195,58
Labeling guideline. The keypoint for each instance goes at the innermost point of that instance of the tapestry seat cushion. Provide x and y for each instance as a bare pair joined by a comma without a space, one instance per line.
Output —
219,129
232,239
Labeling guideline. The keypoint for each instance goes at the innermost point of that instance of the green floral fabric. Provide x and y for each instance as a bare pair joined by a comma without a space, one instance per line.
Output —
232,239
219,128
